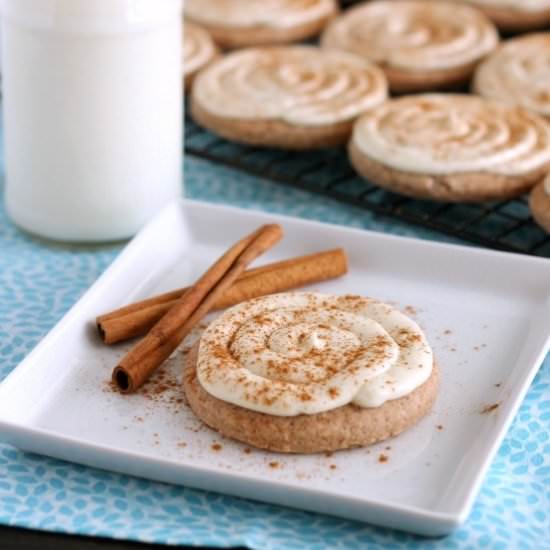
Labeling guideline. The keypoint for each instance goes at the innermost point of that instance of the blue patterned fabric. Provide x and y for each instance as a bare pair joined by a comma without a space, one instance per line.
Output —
39,281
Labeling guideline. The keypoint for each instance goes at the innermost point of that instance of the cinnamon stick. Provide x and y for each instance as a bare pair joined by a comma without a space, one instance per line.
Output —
149,353
136,319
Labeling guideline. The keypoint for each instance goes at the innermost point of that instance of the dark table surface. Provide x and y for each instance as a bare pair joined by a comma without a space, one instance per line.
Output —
15,538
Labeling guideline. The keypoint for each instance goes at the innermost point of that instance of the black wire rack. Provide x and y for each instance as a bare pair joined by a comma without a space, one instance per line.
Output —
504,225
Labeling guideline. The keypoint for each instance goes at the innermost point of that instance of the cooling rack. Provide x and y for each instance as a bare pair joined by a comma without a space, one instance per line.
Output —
503,225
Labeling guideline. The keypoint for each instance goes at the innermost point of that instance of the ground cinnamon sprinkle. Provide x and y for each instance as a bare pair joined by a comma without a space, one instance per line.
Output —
489,408
274,464
447,332
439,427
328,454
405,338
333,392
498,385
383,458
216,447
109,386
247,450
333,466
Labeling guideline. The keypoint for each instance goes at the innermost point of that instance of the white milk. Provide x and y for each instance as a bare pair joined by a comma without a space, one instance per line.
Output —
92,114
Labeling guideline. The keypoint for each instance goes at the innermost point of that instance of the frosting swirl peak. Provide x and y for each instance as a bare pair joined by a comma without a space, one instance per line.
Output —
518,73
305,353
249,13
445,133
299,85
413,34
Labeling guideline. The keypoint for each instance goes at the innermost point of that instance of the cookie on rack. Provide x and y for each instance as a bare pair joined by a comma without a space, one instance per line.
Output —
239,23
451,147
421,44
516,15
518,72
198,50
289,97
307,373
539,202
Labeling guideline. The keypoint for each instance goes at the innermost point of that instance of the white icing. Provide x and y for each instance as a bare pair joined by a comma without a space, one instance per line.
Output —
198,48
442,134
305,353
518,73
514,5
281,14
413,35
300,85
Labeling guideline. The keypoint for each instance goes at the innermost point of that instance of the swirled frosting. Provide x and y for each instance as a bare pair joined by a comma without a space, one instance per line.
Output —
300,85
445,133
518,73
515,5
198,48
413,34
251,13
305,353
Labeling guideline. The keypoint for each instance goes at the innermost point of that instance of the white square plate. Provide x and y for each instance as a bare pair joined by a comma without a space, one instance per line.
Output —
487,315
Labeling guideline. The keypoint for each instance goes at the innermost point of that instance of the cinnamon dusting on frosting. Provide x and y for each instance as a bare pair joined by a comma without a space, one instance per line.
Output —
462,133
300,85
252,13
310,353
518,73
414,35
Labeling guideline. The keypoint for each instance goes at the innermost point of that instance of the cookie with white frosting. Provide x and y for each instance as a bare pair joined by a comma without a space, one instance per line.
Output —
198,50
518,72
239,23
516,15
291,97
539,201
421,44
307,372
451,147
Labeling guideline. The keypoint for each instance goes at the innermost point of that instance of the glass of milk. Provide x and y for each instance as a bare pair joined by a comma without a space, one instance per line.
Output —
92,99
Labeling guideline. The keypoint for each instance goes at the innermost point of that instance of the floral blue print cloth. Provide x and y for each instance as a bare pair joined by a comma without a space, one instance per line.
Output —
39,281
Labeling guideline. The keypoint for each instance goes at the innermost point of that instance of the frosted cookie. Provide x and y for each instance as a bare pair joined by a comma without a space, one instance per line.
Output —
291,97
516,15
198,50
420,44
306,372
451,147
539,201
238,23
518,72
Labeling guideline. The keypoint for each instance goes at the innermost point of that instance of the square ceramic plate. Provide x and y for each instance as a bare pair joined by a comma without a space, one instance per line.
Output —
486,314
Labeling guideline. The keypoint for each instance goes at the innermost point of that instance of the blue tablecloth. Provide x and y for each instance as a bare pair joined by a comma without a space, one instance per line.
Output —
39,281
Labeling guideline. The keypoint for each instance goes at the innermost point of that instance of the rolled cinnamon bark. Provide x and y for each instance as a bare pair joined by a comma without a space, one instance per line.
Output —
136,319
165,336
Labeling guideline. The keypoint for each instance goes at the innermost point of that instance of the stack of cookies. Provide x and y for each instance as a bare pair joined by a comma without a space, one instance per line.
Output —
441,143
